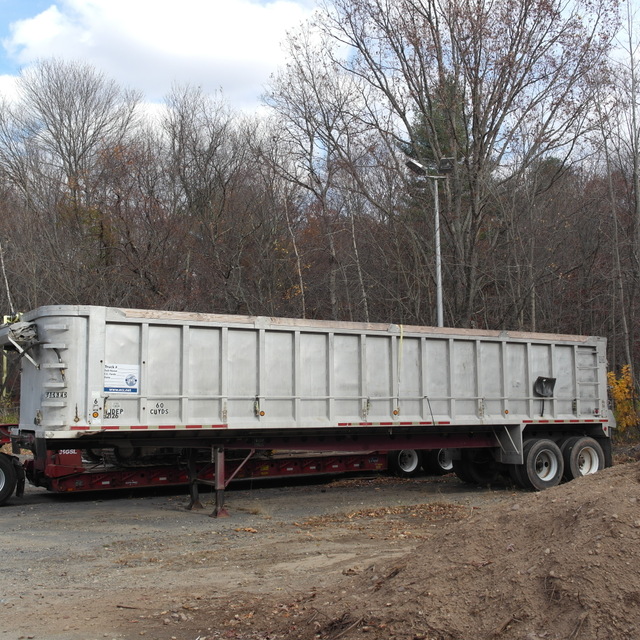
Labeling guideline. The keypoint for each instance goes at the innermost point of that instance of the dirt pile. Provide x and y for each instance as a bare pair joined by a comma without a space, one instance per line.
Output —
554,565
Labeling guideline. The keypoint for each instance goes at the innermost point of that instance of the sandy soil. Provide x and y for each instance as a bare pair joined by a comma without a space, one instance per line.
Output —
378,558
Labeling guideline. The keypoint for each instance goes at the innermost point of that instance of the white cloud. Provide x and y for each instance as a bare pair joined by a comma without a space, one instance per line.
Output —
231,45
8,87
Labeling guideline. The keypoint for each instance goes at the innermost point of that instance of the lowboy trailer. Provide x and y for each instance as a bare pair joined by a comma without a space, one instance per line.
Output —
126,393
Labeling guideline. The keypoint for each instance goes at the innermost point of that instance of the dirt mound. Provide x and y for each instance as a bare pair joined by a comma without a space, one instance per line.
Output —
558,564
554,565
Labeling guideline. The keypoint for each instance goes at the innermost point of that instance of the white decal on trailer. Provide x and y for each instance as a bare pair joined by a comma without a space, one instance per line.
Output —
121,378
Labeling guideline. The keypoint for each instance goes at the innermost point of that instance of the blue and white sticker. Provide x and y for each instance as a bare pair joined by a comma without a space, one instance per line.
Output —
121,378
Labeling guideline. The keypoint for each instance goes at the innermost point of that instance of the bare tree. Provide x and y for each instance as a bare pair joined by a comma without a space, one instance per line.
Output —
462,79
619,110
319,110
51,144
72,111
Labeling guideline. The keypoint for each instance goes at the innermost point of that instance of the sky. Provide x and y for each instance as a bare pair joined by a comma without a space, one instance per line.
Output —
150,45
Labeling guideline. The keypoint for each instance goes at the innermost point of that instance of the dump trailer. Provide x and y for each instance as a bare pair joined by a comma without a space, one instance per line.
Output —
145,388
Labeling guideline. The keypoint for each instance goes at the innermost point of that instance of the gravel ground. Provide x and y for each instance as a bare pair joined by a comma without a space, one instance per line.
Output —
124,565
351,558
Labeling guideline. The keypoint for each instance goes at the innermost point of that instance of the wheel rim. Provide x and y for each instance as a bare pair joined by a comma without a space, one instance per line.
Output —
546,465
588,461
445,461
3,479
408,460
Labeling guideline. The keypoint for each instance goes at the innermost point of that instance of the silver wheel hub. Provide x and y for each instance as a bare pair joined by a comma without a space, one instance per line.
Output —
588,461
408,460
546,465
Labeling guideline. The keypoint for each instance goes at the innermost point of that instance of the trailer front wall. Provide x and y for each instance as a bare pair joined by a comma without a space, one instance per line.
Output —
115,369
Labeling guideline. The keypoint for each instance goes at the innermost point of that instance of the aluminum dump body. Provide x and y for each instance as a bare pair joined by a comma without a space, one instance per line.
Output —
96,368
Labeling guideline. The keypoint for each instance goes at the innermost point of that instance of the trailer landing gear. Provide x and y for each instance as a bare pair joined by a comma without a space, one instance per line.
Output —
194,494
220,510
219,483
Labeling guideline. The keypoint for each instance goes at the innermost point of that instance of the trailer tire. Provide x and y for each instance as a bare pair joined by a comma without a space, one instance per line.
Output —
476,466
543,464
516,473
405,463
582,456
8,478
438,462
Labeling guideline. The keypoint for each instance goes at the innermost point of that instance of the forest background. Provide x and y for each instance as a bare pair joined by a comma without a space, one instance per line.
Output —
307,209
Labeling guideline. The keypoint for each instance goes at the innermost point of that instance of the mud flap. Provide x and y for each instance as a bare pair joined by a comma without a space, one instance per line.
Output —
605,443
20,477
509,438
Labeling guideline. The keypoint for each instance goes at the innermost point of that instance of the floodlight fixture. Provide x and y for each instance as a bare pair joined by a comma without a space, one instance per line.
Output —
416,167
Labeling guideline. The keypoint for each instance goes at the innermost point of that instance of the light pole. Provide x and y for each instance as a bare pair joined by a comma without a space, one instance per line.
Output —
444,166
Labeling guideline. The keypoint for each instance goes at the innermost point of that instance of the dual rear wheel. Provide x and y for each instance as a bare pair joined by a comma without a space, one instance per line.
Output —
546,464
406,463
